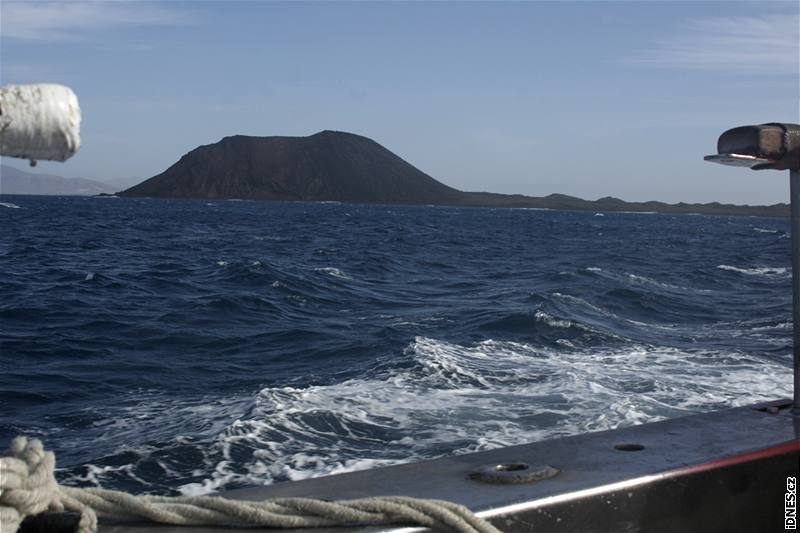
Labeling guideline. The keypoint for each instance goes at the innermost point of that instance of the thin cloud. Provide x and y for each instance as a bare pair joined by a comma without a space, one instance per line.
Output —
70,21
766,44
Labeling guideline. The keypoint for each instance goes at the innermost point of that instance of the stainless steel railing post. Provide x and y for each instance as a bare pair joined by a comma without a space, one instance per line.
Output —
794,228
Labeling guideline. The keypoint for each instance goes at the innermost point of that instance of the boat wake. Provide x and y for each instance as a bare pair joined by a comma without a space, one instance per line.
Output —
444,399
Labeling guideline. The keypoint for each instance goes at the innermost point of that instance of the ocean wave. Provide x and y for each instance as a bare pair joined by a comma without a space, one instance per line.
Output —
552,321
756,271
461,399
581,302
650,281
331,271
451,399
9,205
547,326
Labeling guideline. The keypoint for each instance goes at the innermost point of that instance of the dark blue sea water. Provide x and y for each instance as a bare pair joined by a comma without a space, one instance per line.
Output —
164,346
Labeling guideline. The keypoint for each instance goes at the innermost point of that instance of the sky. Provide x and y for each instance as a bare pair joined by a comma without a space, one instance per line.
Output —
591,98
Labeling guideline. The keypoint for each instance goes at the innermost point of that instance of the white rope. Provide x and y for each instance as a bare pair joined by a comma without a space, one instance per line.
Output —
28,487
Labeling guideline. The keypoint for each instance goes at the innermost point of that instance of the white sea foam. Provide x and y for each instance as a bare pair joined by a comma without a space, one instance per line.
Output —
449,398
89,276
335,272
649,281
95,475
772,327
641,280
552,321
665,327
459,399
297,299
580,301
9,205
756,271
763,230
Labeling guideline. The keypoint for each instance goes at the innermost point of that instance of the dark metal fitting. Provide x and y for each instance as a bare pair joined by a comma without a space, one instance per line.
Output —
512,473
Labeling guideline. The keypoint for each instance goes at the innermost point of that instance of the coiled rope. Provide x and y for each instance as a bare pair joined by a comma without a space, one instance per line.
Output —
28,487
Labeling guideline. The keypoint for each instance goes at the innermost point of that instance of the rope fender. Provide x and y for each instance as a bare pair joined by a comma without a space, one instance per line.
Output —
28,487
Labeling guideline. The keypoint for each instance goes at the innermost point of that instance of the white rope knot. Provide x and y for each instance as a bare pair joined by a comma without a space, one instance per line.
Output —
28,487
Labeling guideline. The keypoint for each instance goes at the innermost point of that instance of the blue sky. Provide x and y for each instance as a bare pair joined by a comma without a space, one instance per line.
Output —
582,98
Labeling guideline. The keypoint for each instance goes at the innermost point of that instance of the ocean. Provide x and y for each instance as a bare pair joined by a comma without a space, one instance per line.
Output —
191,346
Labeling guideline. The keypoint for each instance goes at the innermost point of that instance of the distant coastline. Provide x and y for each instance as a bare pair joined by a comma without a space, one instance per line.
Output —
16,181
610,205
333,166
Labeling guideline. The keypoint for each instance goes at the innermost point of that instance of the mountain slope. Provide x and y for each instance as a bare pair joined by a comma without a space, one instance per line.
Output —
16,181
338,166
332,166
